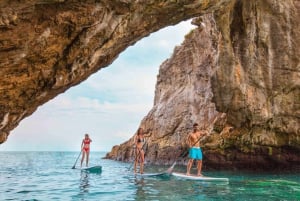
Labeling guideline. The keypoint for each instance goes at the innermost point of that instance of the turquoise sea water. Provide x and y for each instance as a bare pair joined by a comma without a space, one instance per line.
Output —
49,176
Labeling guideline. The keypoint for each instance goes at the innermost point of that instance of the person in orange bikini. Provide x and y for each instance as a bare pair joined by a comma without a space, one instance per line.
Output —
85,147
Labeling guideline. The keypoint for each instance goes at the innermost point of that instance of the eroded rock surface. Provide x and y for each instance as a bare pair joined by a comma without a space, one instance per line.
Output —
47,46
239,77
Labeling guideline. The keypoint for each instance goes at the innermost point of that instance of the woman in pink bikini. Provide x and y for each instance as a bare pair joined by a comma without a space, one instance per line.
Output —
85,147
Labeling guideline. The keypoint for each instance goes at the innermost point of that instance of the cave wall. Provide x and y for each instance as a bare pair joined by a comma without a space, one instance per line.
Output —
257,82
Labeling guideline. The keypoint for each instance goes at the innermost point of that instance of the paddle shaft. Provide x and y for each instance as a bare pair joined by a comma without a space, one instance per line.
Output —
76,160
186,151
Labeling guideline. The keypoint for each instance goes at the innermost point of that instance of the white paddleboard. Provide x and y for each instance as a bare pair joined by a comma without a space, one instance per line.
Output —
93,169
150,174
200,178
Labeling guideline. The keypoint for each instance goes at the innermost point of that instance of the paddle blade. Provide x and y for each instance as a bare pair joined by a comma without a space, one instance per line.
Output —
170,169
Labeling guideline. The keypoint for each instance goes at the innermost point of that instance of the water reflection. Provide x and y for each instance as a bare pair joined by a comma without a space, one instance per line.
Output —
84,183
203,190
140,188
171,188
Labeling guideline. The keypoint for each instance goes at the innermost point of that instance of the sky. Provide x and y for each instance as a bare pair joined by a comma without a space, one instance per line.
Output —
109,105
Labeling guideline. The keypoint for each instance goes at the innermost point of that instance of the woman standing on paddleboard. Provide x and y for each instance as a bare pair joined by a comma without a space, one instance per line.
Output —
85,147
139,141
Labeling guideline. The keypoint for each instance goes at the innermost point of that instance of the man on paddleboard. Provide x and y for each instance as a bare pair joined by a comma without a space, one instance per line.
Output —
195,152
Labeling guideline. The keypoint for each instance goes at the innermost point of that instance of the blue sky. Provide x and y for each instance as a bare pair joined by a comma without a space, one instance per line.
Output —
109,105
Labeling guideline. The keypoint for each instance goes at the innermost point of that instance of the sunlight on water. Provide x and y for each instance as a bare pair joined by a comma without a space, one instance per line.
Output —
49,176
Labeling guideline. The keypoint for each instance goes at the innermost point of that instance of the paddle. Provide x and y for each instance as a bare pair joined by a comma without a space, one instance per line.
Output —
170,169
76,160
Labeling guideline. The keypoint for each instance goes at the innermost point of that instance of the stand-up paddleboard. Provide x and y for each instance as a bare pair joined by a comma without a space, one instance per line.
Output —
150,174
200,178
92,169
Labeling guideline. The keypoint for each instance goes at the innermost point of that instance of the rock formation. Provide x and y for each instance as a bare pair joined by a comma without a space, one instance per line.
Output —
47,46
239,77
237,74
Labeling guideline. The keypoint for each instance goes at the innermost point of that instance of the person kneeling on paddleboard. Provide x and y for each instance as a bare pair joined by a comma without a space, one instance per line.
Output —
195,152
85,147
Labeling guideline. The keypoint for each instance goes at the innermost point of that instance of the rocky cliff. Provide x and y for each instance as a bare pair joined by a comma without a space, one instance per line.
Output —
238,77
237,74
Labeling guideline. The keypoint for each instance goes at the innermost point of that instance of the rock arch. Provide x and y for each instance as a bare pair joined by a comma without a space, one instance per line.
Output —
47,46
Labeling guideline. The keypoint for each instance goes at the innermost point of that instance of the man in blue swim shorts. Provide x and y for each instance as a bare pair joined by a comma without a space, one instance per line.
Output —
195,152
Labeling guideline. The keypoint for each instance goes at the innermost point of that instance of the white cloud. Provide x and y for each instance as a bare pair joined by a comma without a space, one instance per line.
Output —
91,105
137,80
